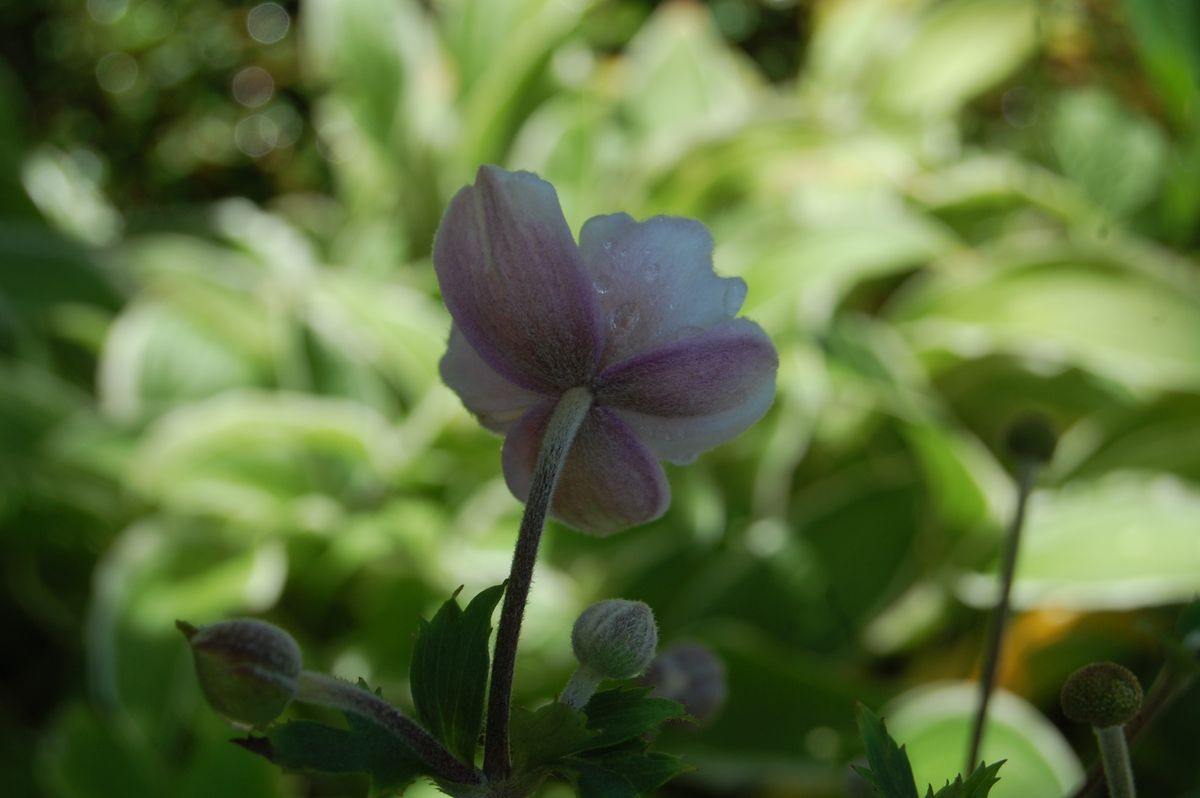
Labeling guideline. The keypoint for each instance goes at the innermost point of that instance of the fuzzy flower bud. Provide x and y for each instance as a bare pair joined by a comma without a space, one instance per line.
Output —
1102,694
247,669
616,639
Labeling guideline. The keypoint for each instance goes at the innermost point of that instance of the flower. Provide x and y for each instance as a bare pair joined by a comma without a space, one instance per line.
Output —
634,313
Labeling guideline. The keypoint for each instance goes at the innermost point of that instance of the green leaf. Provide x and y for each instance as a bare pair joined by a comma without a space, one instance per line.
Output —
977,785
623,713
625,775
449,671
552,732
890,772
312,747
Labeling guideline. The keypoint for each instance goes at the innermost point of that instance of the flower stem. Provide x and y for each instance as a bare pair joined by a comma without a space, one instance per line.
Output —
556,444
580,688
327,691
1114,753
1026,471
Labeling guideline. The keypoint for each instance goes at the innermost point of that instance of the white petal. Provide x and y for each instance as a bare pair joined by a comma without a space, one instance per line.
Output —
655,281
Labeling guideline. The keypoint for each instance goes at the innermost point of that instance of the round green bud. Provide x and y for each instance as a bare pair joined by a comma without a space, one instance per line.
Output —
615,638
1032,437
1102,694
247,669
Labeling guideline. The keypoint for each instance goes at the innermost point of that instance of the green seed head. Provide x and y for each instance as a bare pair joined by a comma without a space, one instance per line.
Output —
615,638
1032,437
247,668
1102,694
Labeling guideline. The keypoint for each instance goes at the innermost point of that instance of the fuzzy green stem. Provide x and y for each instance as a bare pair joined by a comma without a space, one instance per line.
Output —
1114,753
1026,472
580,688
560,433
327,691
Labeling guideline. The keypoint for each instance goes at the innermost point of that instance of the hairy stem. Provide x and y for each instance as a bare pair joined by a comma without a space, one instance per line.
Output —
560,434
1026,471
1114,753
327,691
580,688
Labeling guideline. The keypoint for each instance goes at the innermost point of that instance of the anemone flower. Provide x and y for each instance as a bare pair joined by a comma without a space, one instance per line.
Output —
633,314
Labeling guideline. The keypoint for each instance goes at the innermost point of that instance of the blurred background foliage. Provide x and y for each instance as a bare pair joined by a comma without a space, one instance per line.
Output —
219,335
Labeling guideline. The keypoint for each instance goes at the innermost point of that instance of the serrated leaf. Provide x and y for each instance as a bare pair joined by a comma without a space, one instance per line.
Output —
623,713
311,747
624,776
552,732
977,785
890,772
449,671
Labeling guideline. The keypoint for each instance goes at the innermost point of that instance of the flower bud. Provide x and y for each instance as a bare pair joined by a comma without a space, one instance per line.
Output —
691,674
247,668
1032,437
1102,694
615,638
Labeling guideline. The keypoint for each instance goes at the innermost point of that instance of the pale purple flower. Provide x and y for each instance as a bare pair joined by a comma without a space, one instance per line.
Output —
633,312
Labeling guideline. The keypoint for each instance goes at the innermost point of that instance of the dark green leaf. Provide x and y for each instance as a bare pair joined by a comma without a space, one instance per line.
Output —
554,731
308,746
890,771
625,775
449,671
623,713
977,785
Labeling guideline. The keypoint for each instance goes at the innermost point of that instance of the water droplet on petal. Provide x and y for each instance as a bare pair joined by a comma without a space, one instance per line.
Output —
602,284
607,245
625,317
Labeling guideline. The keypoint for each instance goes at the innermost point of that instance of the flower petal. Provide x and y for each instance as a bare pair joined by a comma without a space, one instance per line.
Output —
705,374
492,398
610,481
682,439
513,279
655,281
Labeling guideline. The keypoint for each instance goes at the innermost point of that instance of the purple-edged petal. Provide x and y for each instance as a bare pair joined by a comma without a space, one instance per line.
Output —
492,398
705,374
513,280
610,480
655,281
681,439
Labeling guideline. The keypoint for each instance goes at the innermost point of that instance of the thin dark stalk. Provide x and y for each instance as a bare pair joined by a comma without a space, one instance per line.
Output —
327,691
1026,471
560,433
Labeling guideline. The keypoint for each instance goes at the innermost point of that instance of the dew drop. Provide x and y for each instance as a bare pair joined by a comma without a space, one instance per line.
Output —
625,317
602,284
607,245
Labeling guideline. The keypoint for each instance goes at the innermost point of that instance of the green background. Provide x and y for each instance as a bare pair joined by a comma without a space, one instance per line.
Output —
219,335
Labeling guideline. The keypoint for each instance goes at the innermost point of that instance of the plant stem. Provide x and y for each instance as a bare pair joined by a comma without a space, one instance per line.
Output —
1115,756
1026,471
327,691
580,688
556,444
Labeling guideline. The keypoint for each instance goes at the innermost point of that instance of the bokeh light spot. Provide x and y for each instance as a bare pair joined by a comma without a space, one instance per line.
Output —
268,22
107,12
117,72
253,87
256,135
